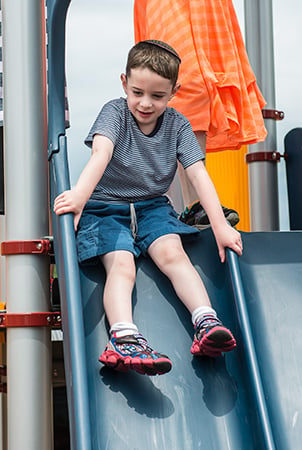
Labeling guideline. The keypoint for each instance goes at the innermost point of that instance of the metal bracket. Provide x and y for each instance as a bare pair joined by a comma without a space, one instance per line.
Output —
264,156
36,246
35,319
272,114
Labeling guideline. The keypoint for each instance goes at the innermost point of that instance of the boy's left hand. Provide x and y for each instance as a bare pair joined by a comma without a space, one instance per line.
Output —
227,237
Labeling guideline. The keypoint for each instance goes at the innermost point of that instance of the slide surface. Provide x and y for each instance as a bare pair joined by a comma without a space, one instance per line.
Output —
203,403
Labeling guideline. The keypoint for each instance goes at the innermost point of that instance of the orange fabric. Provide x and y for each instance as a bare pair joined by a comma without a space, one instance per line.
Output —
218,93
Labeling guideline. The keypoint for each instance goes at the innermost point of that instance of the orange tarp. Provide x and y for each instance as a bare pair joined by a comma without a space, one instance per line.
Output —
218,93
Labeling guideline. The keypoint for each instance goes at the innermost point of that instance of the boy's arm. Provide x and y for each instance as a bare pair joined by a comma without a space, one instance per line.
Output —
225,235
75,199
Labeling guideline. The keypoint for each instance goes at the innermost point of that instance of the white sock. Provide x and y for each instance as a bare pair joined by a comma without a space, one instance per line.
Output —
201,311
123,329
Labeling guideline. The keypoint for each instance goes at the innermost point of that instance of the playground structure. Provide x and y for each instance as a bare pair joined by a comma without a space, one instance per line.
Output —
248,399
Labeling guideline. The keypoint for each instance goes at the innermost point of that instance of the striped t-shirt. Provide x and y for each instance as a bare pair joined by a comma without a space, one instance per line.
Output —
142,166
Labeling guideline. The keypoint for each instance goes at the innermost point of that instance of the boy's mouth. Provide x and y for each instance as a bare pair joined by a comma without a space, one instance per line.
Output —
144,114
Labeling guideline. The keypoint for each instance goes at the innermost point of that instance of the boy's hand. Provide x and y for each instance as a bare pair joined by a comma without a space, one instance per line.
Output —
227,236
69,202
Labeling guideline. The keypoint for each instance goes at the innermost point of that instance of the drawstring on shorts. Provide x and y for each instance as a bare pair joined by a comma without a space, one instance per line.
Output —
133,223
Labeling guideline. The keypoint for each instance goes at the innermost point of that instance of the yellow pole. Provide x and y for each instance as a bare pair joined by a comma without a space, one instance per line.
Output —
229,173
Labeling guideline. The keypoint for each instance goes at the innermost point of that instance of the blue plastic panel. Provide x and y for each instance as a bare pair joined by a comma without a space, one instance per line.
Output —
202,403
271,269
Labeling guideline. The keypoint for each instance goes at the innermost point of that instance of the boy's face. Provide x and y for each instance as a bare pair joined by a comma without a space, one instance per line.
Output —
147,95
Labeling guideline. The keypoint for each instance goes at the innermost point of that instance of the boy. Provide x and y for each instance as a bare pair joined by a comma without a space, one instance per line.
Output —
120,208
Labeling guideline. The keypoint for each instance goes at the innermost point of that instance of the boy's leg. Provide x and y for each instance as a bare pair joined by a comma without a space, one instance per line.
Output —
168,254
120,279
127,349
211,337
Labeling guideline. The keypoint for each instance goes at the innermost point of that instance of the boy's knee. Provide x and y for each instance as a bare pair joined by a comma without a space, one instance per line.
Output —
174,256
170,254
124,268
121,265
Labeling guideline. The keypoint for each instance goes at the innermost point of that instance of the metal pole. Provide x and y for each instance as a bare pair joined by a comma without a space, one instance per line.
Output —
263,175
27,283
64,236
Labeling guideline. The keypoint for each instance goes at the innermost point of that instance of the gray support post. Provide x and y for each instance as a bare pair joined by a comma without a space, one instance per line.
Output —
27,276
263,174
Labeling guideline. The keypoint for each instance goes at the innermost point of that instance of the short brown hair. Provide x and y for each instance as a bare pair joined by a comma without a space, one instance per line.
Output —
156,56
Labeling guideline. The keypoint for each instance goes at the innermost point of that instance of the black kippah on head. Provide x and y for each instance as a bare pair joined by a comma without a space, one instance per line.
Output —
164,46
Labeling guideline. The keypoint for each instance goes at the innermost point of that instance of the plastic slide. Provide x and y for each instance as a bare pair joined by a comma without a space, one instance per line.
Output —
204,403
249,399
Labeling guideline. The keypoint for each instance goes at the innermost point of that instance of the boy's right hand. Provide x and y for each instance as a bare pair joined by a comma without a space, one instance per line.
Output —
227,237
69,202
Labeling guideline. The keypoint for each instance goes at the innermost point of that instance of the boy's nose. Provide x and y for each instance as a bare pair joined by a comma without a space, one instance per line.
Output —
146,103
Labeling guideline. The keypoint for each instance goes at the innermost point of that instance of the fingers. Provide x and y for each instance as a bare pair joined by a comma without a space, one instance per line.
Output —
221,251
237,246
240,248
60,207
231,240
236,242
62,204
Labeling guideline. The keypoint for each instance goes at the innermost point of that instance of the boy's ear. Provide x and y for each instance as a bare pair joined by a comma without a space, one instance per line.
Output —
124,82
175,89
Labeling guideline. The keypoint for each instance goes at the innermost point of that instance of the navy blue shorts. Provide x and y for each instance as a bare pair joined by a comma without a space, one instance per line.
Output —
106,227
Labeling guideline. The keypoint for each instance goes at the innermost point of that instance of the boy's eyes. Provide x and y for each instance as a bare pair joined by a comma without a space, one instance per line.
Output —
139,93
